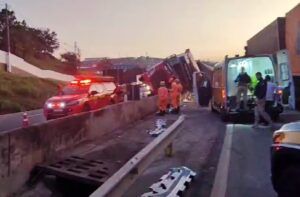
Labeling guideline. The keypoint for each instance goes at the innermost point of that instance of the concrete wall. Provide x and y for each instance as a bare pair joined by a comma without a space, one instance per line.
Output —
293,38
269,40
19,65
22,149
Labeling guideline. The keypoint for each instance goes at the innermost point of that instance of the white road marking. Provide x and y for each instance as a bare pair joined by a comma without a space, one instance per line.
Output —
221,177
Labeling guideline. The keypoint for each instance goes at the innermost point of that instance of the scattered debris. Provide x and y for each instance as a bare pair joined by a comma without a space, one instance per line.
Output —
172,184
160,127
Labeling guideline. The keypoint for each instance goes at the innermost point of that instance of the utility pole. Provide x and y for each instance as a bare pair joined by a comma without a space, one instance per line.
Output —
76,54
8,66
75,48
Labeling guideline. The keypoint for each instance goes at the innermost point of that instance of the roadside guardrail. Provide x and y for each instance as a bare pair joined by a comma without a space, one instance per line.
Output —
119,183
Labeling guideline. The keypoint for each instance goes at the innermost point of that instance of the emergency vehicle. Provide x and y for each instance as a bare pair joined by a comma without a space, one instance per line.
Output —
224,88
83,94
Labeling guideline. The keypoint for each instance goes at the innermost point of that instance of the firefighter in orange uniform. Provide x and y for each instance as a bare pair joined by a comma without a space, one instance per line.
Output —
176,89
163,98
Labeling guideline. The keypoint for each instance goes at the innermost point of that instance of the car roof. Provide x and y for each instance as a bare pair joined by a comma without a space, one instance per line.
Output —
294,126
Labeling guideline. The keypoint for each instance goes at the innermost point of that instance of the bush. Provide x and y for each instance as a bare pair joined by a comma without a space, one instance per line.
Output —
9,106
24,93
25,90
5,91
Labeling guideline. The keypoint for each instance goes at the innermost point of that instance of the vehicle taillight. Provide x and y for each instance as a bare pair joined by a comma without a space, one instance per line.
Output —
223,94
278,137
277,140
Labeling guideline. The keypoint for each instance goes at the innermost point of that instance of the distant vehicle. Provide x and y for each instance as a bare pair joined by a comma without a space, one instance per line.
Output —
285,160
81,95
224,89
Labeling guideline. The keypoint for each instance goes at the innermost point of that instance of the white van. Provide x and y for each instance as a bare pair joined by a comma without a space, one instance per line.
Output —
224,89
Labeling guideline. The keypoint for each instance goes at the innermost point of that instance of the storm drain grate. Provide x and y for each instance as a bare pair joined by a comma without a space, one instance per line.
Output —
81,169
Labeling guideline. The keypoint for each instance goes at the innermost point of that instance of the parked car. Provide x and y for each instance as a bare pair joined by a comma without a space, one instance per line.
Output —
81,95
285,160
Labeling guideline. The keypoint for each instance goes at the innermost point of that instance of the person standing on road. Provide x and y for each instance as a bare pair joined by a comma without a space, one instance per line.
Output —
163,98
175,94
243,80
271,88
179,92
260,93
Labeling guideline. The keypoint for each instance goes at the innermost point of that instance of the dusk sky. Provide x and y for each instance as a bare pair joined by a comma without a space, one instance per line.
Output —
159,28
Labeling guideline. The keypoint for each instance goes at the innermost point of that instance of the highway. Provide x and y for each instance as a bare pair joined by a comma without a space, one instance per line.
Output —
197,147
231,160
13,121
244,164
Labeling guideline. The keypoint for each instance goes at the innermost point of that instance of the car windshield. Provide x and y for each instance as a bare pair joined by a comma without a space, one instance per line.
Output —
72,90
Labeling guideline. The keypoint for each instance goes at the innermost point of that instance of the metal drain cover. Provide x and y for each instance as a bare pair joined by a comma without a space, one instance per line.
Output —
89,171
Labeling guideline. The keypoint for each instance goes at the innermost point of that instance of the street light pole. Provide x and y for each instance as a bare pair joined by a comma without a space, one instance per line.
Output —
8,68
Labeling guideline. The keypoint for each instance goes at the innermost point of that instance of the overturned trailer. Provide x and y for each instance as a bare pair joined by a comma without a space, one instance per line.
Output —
183,67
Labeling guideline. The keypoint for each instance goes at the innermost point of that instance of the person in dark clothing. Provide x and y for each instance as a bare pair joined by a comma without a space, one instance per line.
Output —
260,93
243,80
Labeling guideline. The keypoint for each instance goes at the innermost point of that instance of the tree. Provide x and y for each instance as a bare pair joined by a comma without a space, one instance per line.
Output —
25,40
70,58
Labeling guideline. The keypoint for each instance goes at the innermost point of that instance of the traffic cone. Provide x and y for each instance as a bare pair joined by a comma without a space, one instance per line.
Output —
25,122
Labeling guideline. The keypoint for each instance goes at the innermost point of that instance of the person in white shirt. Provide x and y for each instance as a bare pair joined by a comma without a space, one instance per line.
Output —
271,88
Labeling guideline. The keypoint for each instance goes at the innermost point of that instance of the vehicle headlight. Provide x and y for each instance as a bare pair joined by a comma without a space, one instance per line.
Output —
62,104
50,105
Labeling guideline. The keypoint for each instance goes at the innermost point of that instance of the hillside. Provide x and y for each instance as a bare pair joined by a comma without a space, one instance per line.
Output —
24,93
49,62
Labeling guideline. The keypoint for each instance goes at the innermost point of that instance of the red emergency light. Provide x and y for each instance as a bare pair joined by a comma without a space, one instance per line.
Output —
81,82
85,81
74,82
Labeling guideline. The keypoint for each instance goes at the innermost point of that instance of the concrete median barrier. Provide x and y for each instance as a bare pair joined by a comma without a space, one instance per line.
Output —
22,149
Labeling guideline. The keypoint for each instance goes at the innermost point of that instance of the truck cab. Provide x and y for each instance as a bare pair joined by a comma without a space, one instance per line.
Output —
224,88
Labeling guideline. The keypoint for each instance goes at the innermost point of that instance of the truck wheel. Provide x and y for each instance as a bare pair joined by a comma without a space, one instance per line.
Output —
224,116
212,109
275,116
288,182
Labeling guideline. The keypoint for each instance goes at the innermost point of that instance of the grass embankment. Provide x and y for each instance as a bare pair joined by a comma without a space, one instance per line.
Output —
24,93
48,62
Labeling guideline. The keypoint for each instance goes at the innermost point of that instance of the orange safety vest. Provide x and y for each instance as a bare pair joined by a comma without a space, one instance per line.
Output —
162,93
163,97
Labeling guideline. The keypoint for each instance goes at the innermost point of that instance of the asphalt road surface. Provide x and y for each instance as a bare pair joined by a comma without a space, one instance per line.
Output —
244,164
197,147
231,160
13,121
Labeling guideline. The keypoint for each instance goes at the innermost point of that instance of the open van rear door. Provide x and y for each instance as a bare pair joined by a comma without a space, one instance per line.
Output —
285,77
201,89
